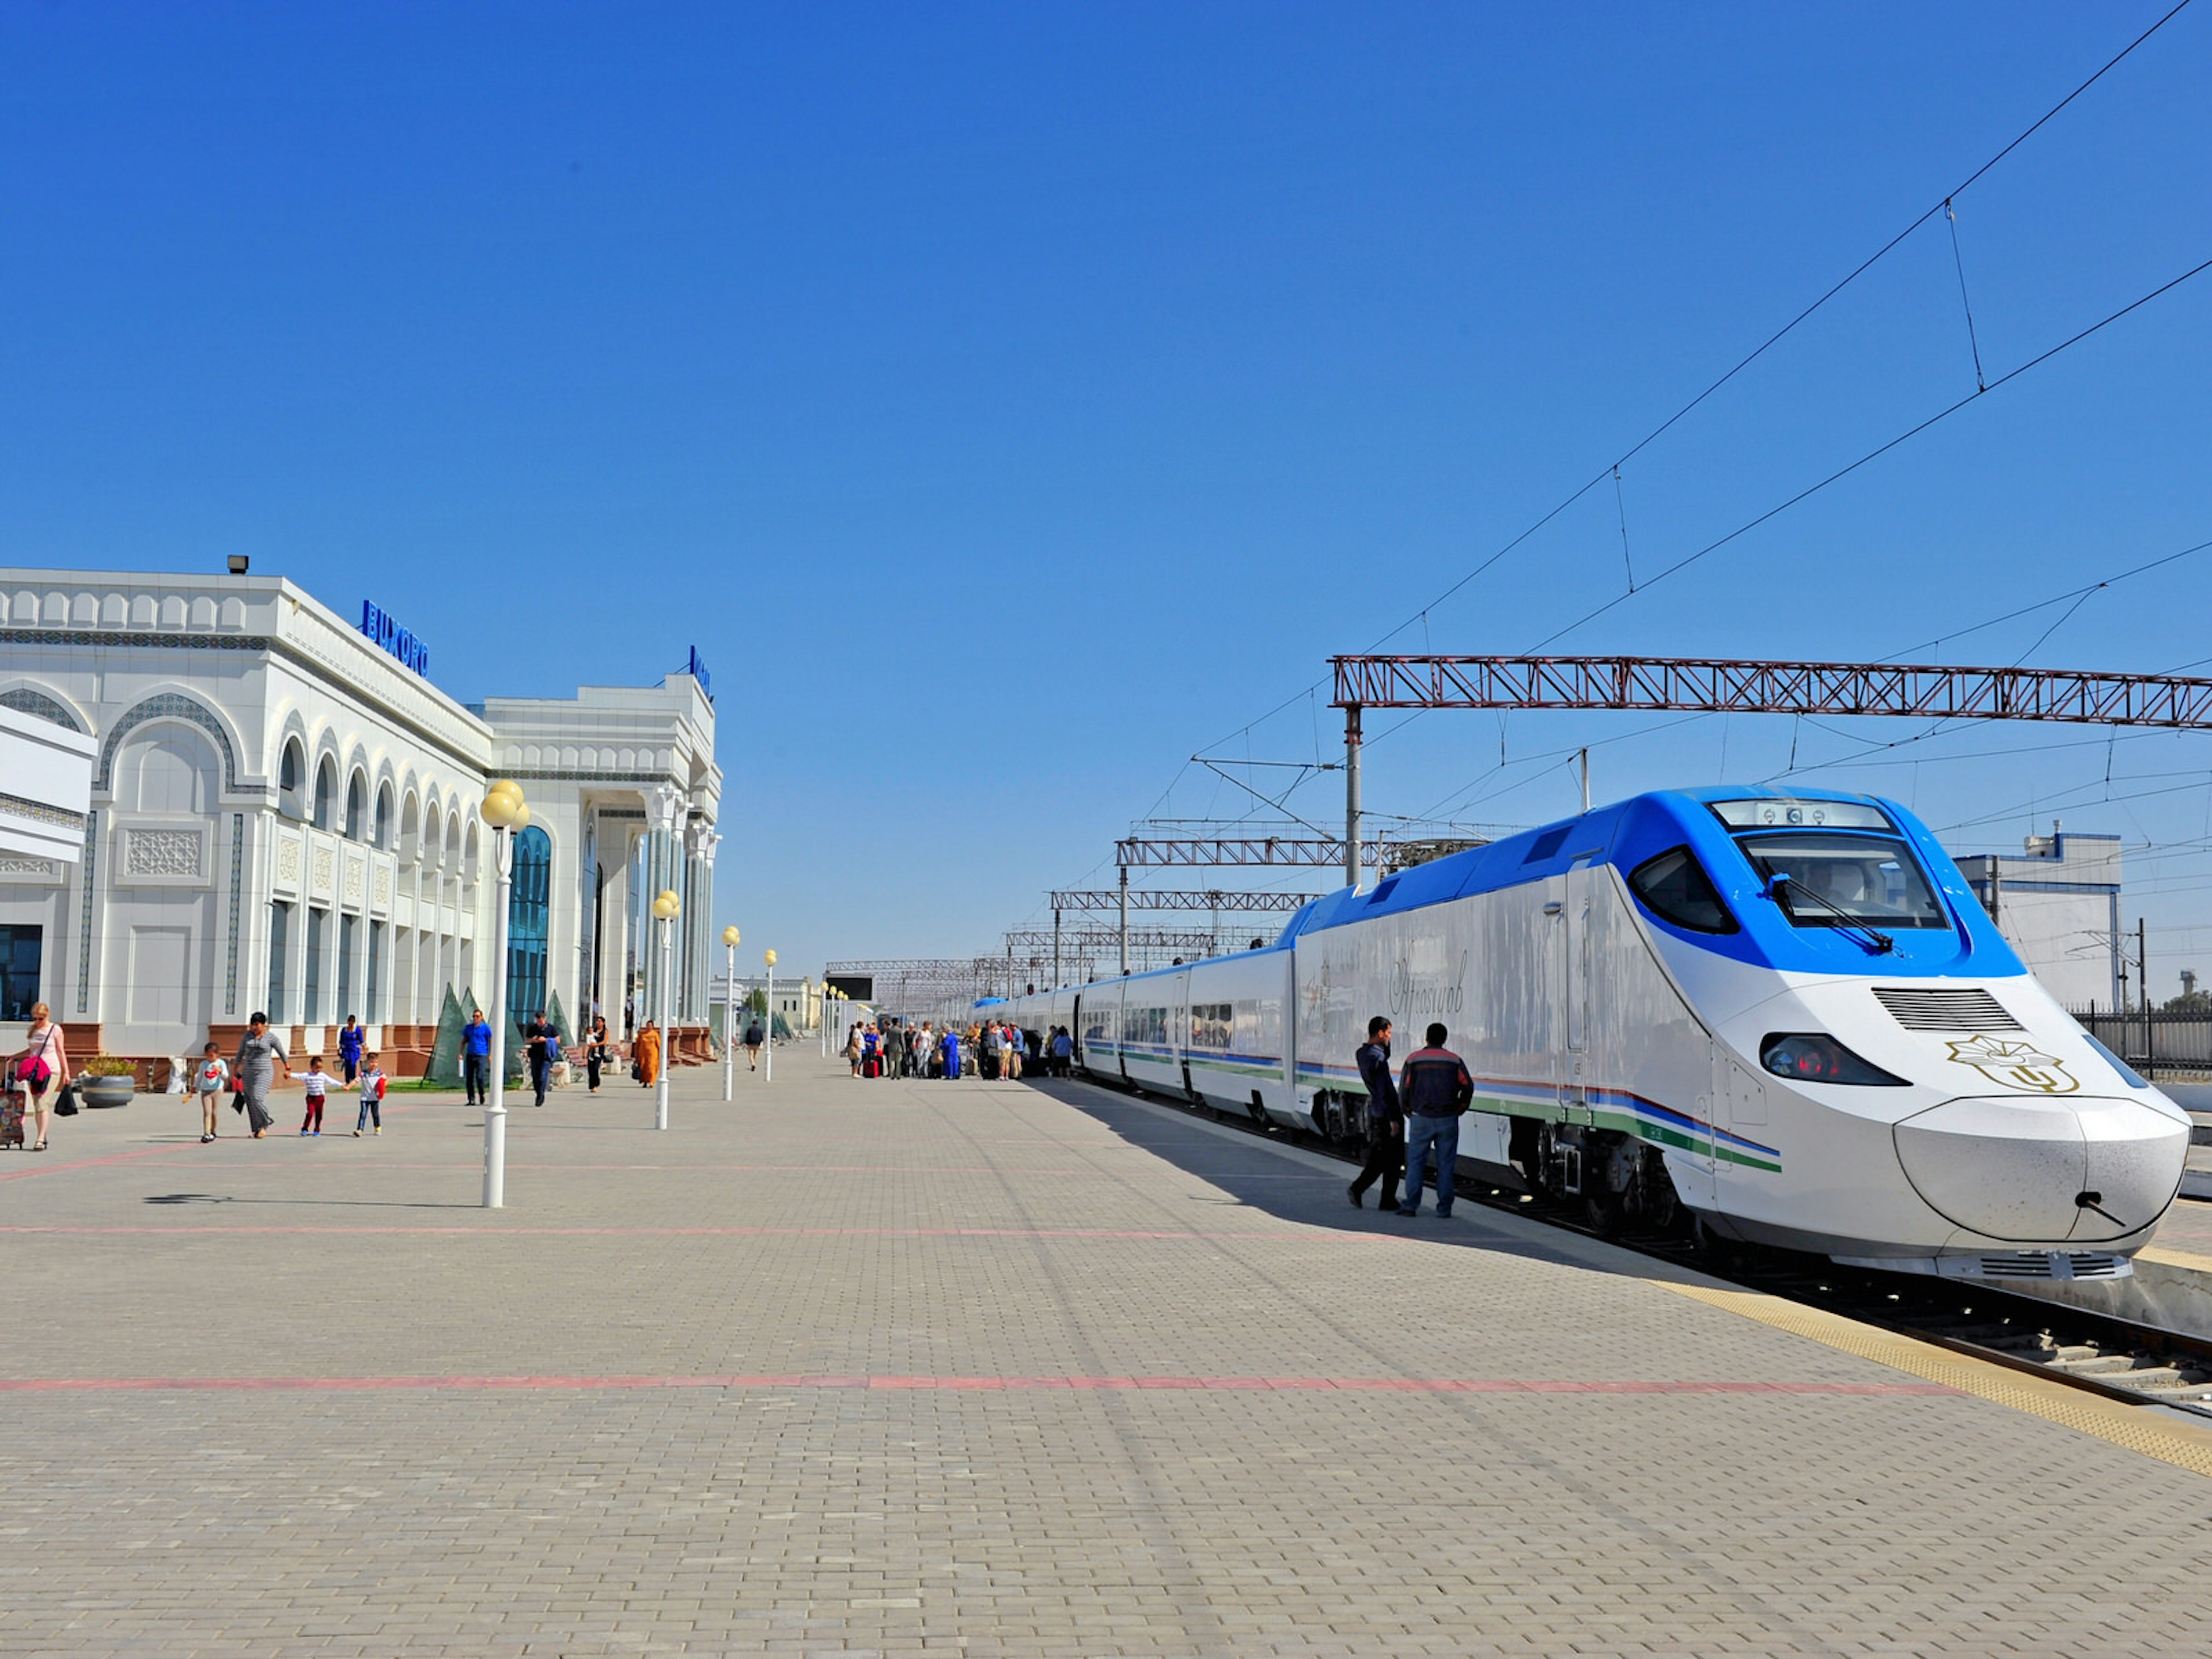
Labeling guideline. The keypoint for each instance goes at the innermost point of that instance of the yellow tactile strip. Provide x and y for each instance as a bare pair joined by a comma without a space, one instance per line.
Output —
2188,1260
2131,1427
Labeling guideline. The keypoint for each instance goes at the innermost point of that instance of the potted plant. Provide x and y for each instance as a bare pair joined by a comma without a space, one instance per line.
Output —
106,1081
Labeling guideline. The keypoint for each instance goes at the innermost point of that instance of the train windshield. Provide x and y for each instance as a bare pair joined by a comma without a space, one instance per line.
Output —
1844,880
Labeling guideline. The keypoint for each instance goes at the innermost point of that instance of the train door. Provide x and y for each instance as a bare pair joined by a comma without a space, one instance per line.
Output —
1568,903
1693,1168
1581,882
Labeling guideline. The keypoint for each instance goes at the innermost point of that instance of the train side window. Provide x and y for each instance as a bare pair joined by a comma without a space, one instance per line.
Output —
1676,888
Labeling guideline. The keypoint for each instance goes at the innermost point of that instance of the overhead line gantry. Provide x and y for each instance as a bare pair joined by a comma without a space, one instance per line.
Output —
1732,685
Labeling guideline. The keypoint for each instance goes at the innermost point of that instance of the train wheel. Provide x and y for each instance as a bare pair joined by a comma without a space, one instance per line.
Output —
1539,1170
1605,1213
1713,1252
1660,1205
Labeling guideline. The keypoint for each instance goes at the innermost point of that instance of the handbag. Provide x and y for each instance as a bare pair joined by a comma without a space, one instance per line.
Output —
66,1103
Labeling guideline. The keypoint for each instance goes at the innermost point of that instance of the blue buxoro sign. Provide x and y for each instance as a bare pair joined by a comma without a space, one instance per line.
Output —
697,670
393,638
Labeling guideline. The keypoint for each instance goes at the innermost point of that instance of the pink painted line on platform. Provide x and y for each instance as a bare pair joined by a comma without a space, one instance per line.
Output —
36,1164
190,1159
498,1231
965,1384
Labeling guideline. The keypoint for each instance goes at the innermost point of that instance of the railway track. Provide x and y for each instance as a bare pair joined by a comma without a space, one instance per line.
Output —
2134,1363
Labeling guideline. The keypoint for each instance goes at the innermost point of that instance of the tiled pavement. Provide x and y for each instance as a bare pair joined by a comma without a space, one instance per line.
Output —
967,1369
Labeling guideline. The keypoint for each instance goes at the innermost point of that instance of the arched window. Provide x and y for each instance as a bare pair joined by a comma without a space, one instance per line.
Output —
326,789
291,775
382,833
526,914
356,807
410,828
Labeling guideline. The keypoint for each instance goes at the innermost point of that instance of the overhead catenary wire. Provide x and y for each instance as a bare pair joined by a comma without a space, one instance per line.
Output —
1875,453
1749,357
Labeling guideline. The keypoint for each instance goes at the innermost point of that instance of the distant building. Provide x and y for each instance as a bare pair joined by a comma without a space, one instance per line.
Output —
798,1001
2058,903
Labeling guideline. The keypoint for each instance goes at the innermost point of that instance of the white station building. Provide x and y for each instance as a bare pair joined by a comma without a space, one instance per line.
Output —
283,819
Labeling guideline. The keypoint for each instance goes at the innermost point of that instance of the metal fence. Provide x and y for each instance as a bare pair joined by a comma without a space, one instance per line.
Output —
2154,1041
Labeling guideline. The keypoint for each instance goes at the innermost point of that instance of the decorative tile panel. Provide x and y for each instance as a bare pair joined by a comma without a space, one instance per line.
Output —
288,861
356,882
84,941
161,853
326,867
237,878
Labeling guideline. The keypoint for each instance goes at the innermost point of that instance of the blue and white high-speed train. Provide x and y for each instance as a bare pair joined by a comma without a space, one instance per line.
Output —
1782,1019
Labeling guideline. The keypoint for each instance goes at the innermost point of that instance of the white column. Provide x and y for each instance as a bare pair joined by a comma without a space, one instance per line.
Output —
665,805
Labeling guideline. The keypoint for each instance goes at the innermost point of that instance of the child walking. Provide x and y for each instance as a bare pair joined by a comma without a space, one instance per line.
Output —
318,1082
372,1097
211,1081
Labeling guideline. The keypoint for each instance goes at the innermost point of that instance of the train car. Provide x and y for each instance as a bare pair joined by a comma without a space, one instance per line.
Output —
1235,1037
1779,1018
1787,1015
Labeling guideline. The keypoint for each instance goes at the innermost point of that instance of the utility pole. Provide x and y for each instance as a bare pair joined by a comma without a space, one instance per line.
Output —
1057,981
1124,919
2142,992
1582,759
1351,796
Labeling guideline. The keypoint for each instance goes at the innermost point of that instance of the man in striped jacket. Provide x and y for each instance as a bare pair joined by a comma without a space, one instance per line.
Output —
1435,1090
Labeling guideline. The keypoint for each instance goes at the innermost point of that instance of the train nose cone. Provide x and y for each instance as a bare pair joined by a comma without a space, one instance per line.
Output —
2020,1168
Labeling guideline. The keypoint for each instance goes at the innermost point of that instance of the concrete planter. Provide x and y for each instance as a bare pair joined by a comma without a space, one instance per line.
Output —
101,1093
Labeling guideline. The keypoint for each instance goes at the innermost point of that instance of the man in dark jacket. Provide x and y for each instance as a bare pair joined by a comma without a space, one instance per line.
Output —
1386,1136
1435,1089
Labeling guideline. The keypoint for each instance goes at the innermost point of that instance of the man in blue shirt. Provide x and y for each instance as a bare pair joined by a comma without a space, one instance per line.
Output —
475,1059
1386,1137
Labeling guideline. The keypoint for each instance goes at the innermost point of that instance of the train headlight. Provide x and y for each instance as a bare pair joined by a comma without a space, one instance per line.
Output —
1815,1057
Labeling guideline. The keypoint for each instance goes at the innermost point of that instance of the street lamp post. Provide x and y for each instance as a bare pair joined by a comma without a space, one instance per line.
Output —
769,957
509,815
826,995
730,1016
665,910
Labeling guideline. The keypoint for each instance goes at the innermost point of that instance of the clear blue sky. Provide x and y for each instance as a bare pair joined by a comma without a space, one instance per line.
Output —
1009,403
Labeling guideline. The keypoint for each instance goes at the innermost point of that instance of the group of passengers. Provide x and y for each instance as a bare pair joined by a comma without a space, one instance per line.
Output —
1409,1117
992,1049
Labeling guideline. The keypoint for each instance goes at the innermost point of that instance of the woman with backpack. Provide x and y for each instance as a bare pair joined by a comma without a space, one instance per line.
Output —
41,1070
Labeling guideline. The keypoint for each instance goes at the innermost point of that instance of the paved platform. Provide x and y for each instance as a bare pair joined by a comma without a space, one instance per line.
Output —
984,1369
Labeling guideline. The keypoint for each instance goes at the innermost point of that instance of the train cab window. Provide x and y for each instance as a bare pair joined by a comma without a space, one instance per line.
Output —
1844,880
1674,887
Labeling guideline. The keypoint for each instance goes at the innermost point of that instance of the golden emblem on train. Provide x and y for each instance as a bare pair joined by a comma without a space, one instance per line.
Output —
2016,1066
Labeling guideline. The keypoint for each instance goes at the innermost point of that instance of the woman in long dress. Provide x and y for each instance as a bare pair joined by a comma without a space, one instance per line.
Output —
648,1047
260,1056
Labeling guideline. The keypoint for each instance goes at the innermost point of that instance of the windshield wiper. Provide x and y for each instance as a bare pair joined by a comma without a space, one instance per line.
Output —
1872,938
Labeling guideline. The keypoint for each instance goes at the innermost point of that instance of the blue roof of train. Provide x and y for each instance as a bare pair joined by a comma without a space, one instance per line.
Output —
1628,832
